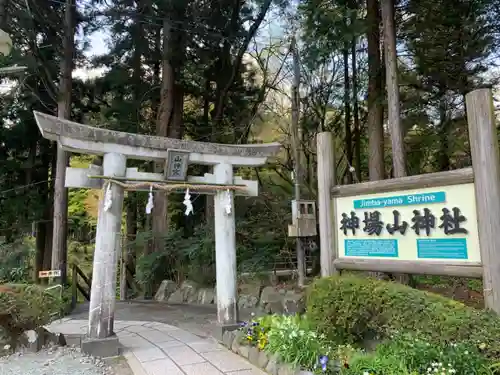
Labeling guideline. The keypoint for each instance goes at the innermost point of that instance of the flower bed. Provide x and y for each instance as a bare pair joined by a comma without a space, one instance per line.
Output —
288,345
285,345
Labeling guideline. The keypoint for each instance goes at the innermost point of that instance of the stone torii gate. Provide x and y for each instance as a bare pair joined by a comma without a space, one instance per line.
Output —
116,147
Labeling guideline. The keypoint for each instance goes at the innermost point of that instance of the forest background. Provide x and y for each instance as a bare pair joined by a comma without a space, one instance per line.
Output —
223,71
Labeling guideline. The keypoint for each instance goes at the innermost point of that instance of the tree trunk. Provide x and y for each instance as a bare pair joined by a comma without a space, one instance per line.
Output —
49,213
129,248
59,246
443,133
41,225
131,200
376,165
392,81
347,114
223,89
170,113
393,101
3,14
164,121
355,109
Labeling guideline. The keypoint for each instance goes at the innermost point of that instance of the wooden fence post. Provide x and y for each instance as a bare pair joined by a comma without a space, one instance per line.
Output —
74,286
485,163
326,180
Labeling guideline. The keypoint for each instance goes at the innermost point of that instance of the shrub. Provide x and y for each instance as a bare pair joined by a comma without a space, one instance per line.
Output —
16,258
373,364
24,307
423,357
350,309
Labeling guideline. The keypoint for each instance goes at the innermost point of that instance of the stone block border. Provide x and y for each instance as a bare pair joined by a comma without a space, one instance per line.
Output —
268,299
270,363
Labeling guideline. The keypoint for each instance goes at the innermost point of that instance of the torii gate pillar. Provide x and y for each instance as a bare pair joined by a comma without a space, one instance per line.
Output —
107,248
225,246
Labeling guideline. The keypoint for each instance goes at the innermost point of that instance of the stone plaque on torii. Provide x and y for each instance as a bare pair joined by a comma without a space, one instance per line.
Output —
114,176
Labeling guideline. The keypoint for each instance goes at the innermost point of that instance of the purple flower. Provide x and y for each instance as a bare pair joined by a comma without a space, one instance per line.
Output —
243,324
323,361
255,324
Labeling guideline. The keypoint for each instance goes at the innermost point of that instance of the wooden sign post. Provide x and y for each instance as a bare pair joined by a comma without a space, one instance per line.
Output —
444,223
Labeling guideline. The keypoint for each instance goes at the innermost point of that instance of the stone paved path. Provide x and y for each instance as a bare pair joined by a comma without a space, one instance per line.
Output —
157,348
197,319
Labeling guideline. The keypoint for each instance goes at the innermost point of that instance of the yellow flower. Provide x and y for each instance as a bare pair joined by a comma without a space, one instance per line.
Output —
262,343
482,346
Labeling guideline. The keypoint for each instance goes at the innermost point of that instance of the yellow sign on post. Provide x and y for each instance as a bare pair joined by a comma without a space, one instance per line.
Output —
431,224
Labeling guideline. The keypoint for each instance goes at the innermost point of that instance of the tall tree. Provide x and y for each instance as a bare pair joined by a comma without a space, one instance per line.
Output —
59,246
376,164
170,111
392,82
3,14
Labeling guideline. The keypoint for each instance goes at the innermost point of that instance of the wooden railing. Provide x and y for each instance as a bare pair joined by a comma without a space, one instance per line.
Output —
76,286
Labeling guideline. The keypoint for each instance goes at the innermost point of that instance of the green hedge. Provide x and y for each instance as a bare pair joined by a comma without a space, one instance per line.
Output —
350,309
24,307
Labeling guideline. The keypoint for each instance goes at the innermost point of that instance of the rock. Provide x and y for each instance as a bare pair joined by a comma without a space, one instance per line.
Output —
263,359
32,340
275,307
238,337
287,369
176,297
244,350
272,365
167,287
250,287
51,338
293,303
190,291
253,355
227,339
235,346
206,296
271,300
270,294
247,301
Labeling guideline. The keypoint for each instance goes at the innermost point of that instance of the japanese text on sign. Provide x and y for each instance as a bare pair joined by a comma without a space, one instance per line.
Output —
424,224
422,221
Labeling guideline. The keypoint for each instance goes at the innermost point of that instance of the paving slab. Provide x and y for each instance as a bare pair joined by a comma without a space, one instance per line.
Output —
157,348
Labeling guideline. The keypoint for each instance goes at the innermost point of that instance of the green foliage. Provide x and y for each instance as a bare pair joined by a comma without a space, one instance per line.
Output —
406,354
181,258
256,331
16,257
77,210
295,341
24,307
351,309
260,237
420,355
374,364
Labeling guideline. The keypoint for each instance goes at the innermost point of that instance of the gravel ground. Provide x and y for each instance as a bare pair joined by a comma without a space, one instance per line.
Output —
58,361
